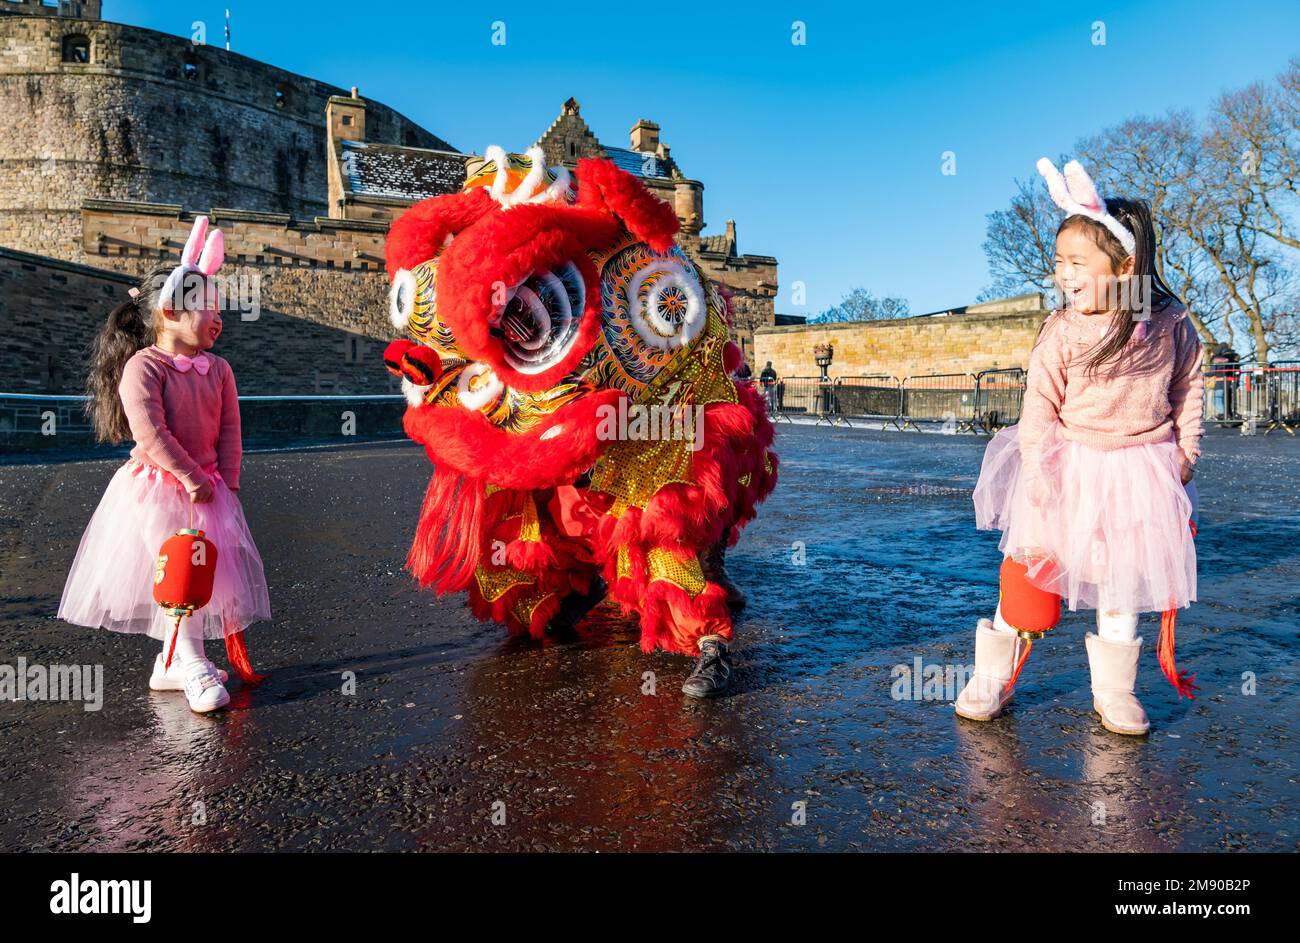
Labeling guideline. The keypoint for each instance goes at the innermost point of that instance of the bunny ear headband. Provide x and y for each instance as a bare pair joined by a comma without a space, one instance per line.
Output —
197,257
1075,193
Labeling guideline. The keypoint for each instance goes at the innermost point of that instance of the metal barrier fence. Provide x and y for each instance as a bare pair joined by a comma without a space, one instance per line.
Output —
877,397
940,397
1252,395
38,414
1245,394
999,394
801,396
35,421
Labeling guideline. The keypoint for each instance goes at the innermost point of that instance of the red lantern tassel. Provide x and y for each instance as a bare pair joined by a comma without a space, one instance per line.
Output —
1024,657
171,649
237,655
1181,680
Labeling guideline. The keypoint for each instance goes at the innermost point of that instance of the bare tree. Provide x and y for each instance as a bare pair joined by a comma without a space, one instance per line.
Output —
861,305
1020,243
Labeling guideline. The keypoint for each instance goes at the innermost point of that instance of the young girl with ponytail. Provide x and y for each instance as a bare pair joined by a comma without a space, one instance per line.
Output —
153,380
1092,490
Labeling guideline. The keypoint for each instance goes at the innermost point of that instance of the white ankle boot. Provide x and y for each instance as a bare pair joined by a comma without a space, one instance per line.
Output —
1114,667
173,678
996,654
203,687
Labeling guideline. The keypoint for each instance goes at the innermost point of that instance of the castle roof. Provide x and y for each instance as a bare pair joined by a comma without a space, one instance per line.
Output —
405,173
637,164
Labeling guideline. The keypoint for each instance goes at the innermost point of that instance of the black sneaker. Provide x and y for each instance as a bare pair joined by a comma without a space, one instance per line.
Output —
713,672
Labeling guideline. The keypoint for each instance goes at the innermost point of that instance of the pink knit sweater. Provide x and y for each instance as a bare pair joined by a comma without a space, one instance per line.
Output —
1151,394
183,422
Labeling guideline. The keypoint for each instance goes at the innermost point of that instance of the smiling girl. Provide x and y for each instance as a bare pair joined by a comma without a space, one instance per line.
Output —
153,380
1092,489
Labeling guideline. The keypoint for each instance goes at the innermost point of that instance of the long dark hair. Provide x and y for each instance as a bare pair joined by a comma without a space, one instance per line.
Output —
1135,216
130,328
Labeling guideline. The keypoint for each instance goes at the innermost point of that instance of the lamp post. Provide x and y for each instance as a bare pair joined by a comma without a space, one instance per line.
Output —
823,354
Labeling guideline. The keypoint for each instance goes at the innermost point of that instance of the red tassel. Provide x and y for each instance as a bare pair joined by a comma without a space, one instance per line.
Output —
171,649
1181,680
237,655
1024,657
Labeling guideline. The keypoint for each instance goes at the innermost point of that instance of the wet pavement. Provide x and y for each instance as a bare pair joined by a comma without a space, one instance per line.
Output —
865,558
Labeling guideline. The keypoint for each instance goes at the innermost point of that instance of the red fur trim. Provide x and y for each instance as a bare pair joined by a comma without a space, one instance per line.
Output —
531,555
469,444
504,249
732,358
698,514
649,219
502,610
675,621
418,234
449,536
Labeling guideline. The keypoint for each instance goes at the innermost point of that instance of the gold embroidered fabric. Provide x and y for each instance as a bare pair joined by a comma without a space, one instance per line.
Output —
524,607
635,470
665,565
529,527
493,584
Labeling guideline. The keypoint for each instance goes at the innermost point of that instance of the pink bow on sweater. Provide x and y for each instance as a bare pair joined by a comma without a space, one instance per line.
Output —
202,363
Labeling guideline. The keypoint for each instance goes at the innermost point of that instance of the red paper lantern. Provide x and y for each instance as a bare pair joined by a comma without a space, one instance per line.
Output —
182,580
1031,611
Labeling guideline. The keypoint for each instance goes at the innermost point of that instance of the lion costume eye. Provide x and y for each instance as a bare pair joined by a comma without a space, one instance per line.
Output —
666,304
540,319
401,298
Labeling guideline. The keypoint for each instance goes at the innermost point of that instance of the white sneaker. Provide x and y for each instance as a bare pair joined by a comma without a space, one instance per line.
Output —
203,688
173,678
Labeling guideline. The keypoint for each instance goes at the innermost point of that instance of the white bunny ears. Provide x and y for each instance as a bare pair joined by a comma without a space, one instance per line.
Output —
1075,193
198,256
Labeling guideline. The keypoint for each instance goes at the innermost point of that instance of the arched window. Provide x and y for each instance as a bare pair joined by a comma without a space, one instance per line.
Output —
76,48
281,96
191,67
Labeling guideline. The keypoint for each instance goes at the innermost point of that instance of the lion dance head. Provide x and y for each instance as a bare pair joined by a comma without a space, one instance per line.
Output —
568,374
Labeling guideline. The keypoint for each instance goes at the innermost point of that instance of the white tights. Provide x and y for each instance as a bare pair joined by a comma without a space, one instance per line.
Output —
1112,625
189,644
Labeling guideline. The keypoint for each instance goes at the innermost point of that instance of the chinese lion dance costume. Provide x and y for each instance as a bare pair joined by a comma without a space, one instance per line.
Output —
539,305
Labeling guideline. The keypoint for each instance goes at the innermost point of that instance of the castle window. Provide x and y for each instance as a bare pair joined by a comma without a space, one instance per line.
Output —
76,48
281,96
191,67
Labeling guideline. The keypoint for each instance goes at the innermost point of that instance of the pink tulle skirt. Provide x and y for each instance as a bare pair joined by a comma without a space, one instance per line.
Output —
1107,529
111,581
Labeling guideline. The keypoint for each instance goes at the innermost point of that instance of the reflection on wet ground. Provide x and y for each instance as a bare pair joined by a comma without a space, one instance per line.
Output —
865,559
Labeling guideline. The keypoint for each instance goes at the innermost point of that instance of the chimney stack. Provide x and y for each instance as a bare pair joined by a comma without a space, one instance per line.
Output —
645,137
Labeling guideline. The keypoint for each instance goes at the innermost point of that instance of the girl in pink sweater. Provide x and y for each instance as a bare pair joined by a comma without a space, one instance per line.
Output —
153,380
1093,489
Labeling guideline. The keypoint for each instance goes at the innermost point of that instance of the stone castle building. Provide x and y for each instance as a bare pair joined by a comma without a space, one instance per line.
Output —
113,137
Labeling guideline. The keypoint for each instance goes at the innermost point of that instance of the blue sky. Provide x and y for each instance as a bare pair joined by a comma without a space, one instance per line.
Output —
827,155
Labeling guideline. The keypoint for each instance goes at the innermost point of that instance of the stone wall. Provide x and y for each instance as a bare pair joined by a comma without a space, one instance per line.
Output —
957,343
751,285
318,330
154,118
50,310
